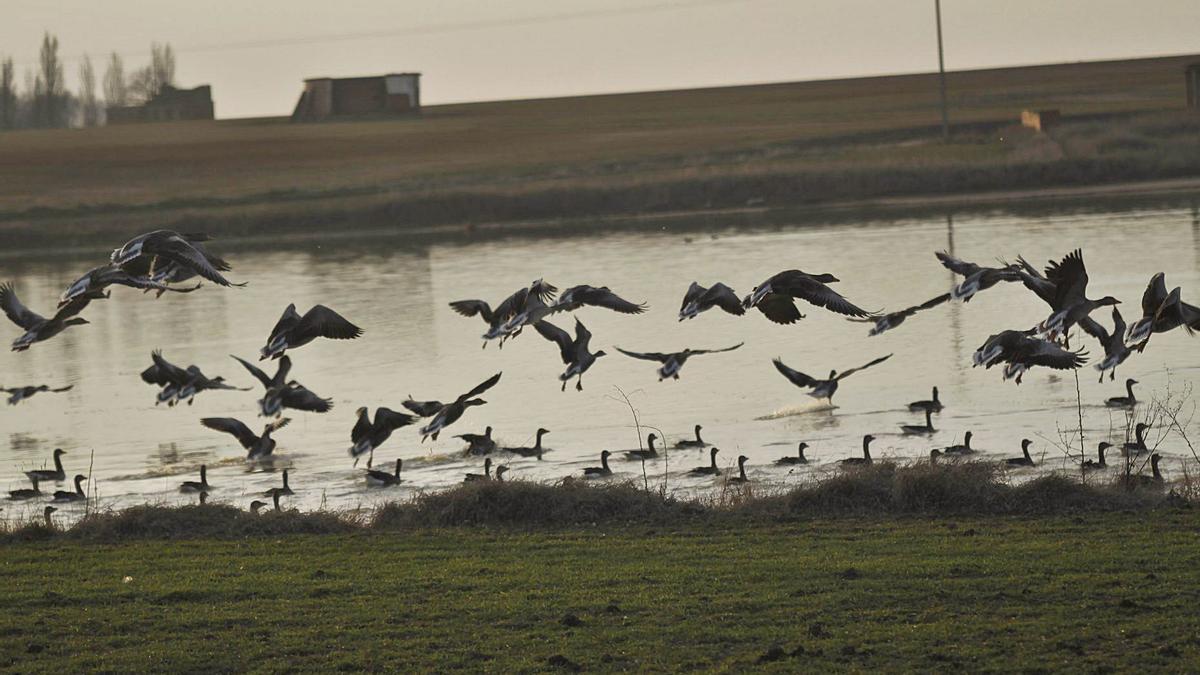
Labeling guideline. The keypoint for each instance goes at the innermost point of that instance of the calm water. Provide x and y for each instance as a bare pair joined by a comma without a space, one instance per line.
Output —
414,344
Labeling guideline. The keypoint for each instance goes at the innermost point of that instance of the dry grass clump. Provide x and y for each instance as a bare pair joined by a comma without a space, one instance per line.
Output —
203,521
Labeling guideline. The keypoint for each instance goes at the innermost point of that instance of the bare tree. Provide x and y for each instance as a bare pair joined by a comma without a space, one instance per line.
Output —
162,66
53,92
87,93
115,93
8,95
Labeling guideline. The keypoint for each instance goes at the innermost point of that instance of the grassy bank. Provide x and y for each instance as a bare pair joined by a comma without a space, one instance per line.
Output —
775,145
1095,592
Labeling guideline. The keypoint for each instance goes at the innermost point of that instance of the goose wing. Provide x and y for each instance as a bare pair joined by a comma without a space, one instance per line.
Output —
957,265
928,304
542,290
288,319
583,337
1155,294
320,321
231,426
723,296
847,373
182,251
1070,279
390,419
1046,353
694,352
481,387
62,389
821,295
423,408
254,370
299,397
557,335
693,293
794,376
472,308
646,356
17,313
362,427
603,297
170,371
1093,328
1034,280
779,308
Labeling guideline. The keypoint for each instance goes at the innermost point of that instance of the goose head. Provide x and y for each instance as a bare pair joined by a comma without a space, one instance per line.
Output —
1107,301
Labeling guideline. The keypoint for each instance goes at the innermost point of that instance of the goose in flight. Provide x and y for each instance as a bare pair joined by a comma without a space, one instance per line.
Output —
368,434
822,388
18,394
180,384
976,278
699,299
1115,349
38,328
673,362
1070,279
495,318
776,296
574,353
257,447
284,393
886,322
573,298
1020,352
99,278
294,331
1161,312
166,246
445,414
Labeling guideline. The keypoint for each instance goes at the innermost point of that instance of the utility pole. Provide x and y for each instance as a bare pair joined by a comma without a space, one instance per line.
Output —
937,8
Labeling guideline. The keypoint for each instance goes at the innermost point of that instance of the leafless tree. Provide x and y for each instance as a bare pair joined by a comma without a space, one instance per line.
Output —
8,95
115,93
87,93
53,93
146,83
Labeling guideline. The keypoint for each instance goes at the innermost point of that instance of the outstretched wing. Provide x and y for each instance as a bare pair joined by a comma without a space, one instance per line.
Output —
299,397
170,371
324,322
956,265
423,408
821,295
555,334
17,313
928,304
62,389
1093,328
254,370
386,417
715,351
1050,355
583,337
182,251
723,296
693,294
1070,279
779,308
288,319
847,373
646,356
1156,293
234,427
472,308
794,376
603,297
481,387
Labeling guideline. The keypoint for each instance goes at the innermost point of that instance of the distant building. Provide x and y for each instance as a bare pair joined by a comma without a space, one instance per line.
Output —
326,97
168,105
1192,73
1040,120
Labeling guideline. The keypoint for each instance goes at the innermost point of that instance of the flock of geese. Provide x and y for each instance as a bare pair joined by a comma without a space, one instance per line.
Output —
166,261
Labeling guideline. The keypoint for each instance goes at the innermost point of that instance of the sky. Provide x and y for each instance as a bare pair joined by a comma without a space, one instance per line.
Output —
256,54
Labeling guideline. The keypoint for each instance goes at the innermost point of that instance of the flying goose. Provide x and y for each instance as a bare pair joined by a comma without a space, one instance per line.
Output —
649,453
76,496
1026,459
1070,281
798,458
574,353
1115,349
284,393
699,299
284,490
368,434
976,278
692,443
197,486
496,318
741,477
886,322
486,475
599,471
1020,352
384,479
479,444
293,331
26,493
38,328
97,279
776,296
1128,401
712,469
822,388
866,458
166,246
963,448
445,414
18,394
535,451
257,447
573,298
57,474
920,429
1093,465
673,362
180,384
934,405
1161,312
1138,445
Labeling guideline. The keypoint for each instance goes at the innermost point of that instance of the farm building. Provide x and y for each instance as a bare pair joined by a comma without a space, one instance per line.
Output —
327,97
168,105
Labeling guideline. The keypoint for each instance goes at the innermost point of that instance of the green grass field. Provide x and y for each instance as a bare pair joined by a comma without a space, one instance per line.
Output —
1115,591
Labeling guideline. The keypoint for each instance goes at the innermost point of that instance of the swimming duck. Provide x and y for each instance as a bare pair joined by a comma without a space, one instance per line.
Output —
673,362
535,451
76,496
775,297
1115,349
479,444
511,306
38,328
384,479
918,429
866,458
1127,401
699,299
649,453
293,331
741,477
963,448
57,474
1161,312
599,471
257,447
712,469
934,405
446,414
1093,465
1026,459
284,490
799,458
692,443
976,278
574,353
822,388
366,435
486,475
25,493
164,246
18,394
1137,446
1020,352
886,322
284,393
197,486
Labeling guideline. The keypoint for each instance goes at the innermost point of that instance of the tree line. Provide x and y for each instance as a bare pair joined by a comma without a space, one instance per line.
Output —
44,102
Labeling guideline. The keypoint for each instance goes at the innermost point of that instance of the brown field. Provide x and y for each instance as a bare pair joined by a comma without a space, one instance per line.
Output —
710,148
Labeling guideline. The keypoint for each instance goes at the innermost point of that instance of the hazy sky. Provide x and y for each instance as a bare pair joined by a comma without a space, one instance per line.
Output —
255,54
